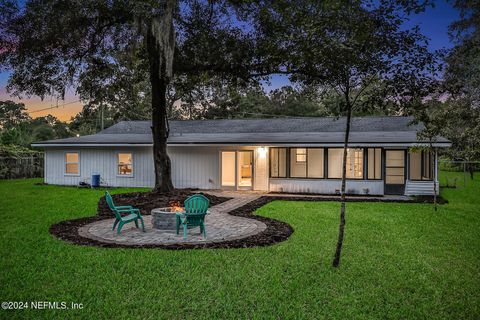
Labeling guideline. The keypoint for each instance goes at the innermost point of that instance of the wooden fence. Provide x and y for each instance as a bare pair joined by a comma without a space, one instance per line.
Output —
25,166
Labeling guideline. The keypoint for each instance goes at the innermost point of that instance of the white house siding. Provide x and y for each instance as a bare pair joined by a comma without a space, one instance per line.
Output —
102,160
325,186
195,167
420,188
192,167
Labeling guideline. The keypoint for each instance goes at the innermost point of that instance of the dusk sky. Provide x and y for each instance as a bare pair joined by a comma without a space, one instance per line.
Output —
433,23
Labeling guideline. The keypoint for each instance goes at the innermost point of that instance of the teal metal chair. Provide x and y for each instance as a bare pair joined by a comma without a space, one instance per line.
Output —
133,216
196,208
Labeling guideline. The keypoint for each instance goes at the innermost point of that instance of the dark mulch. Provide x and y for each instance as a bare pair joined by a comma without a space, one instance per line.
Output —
146,201
275,232
359,198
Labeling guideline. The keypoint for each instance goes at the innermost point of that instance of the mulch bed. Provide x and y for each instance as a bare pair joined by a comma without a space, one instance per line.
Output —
357,198
146,201
276,231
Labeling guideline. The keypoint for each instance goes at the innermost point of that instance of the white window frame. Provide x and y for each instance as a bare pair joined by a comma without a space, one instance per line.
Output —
131,175
65,164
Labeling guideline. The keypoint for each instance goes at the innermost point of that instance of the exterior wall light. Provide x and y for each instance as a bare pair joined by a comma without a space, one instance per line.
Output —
262,152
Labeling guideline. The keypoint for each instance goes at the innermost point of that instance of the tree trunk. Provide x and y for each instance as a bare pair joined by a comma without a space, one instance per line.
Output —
160,44
471,170
338,252
434,176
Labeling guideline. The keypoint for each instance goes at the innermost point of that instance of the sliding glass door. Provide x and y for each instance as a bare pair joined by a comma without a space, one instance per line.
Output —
228,159
237,170
245,170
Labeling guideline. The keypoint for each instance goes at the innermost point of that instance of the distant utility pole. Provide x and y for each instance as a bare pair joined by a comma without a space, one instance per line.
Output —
101,112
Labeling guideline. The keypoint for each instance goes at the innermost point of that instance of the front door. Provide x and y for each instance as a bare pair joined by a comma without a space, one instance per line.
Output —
394,171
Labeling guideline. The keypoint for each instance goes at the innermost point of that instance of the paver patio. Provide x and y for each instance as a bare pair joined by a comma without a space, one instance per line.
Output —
220,227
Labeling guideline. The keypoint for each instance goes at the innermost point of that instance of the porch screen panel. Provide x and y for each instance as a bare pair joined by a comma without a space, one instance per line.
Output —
315,163
278,162
374,163
355,163
415,165
335,160
421,165
298,163
427,173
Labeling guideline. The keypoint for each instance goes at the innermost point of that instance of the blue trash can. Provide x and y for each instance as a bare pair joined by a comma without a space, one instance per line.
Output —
95,180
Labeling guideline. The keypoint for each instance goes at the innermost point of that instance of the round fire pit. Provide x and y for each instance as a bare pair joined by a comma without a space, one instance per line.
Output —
165,218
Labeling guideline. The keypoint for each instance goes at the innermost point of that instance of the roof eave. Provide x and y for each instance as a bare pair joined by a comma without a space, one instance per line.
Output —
269,144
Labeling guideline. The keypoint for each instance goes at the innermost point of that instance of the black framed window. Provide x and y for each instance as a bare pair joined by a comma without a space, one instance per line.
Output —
355,168
374,163
421,165
315,163
298,169
300,162
278,162
427,165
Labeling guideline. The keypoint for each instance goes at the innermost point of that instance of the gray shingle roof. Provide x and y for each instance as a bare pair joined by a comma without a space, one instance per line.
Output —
260,131
327,124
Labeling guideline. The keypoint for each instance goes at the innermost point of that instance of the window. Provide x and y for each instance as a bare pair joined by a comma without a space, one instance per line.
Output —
278,162
335,160
301,154
354,163
311,164
72,163
420,165
125,164
298,169
415,165
427,170
374,168
315,163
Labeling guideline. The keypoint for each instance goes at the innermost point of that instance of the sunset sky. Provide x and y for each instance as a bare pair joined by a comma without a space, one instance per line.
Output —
433,23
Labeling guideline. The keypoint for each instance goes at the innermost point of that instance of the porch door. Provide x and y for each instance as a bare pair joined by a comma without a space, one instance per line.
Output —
245,170
394,171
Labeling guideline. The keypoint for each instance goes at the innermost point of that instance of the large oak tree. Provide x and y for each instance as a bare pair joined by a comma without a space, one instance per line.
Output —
53,45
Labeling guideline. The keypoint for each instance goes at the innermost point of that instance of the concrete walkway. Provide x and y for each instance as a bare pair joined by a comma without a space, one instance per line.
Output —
320,197
220,227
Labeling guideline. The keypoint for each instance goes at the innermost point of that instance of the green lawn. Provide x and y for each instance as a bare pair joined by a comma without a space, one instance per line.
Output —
399,261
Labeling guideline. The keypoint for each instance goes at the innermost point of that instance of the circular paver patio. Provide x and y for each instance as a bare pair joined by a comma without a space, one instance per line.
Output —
220,227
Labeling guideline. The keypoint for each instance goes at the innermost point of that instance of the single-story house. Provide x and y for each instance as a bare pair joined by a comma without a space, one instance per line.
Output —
298,155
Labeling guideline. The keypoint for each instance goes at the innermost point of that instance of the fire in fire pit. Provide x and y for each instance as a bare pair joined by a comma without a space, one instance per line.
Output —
175,206
165,218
